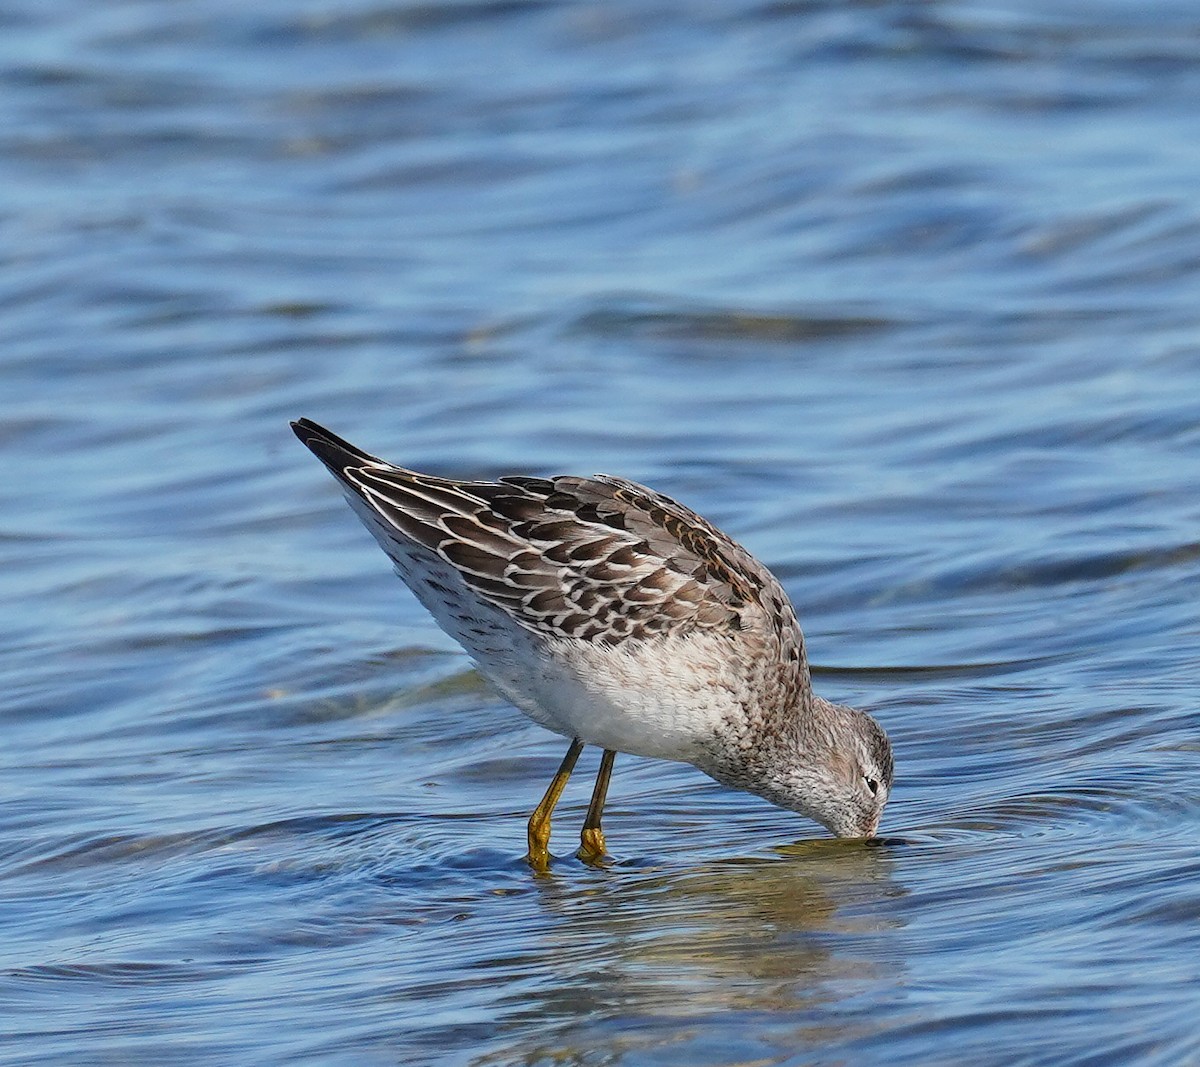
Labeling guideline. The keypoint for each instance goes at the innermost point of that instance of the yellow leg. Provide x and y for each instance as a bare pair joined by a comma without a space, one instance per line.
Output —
591,840
538,856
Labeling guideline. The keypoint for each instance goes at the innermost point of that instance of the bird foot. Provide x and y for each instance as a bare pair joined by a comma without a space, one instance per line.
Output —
591,846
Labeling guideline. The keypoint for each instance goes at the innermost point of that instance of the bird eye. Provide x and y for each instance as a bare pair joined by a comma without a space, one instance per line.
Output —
872,785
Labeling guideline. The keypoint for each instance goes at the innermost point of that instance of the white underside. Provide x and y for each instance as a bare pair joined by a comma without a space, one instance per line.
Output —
645,698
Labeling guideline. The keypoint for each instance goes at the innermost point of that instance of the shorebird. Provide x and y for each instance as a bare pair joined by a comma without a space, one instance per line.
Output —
616,617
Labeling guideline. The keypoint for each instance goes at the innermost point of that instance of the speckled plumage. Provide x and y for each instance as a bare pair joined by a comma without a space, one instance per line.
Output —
610,613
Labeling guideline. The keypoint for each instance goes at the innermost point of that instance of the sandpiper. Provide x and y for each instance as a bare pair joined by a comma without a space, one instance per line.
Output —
616,617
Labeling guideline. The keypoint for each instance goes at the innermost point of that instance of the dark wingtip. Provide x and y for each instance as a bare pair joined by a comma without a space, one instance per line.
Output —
336,453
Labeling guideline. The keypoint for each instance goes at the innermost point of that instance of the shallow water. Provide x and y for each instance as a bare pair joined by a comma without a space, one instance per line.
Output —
903,296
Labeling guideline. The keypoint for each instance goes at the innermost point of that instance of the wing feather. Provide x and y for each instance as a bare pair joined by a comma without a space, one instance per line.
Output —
597,559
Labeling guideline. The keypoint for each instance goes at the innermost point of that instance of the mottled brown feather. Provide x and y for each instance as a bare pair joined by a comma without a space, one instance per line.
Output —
595,559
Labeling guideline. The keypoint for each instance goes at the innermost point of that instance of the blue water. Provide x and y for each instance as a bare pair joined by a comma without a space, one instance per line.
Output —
902,295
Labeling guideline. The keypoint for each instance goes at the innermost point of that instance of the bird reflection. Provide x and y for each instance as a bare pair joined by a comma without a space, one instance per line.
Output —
782,938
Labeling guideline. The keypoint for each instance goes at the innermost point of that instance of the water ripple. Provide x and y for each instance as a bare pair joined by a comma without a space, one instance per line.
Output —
903,296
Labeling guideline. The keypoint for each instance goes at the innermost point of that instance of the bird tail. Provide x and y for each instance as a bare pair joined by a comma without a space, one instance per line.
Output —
330,449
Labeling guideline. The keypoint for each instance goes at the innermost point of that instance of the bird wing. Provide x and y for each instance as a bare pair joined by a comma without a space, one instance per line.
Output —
595,559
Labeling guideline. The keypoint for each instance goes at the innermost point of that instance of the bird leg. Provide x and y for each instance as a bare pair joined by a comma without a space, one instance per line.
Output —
591,847
538,856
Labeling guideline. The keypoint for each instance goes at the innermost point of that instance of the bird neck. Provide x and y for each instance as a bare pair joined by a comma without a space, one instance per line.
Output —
753,747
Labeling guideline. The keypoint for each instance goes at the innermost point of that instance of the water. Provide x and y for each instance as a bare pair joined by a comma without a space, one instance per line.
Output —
902,295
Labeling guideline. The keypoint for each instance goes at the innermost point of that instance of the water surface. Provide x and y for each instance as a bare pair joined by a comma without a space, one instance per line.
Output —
903,296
